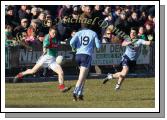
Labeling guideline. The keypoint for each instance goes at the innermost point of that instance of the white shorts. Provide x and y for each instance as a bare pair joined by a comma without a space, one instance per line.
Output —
48,61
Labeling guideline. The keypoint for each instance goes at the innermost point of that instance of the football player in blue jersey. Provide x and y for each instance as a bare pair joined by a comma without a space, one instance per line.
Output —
129,57
83,42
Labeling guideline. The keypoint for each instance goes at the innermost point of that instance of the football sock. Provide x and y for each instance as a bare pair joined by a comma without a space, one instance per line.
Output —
109,76
80,91
76,90
61,86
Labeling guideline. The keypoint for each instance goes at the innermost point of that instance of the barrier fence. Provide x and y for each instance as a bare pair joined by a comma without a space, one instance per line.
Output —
108,55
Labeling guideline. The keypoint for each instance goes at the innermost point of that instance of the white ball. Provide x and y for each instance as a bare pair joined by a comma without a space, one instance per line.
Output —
59,59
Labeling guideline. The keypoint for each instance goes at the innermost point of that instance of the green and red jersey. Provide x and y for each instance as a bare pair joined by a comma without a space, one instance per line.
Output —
51,44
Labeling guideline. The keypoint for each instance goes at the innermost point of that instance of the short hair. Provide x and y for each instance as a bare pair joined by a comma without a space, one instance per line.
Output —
34,9
24,19
10,8
134,28
52,28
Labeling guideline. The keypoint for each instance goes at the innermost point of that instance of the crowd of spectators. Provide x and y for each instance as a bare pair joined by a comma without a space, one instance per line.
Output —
27,25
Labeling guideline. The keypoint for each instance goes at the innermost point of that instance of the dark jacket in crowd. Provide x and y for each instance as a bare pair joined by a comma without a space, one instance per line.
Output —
122,25
22,14
11,20
19,29
96,27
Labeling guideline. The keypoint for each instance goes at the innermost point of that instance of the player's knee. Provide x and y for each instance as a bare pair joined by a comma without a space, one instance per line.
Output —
124,72
123,75
61,73
118,75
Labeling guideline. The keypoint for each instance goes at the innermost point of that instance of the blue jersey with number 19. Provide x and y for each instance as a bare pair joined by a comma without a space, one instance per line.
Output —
84,41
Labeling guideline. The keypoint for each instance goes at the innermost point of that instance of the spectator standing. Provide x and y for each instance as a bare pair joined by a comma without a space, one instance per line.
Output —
116,13
32,32
97,16
38,43
133,21
41,20
141,33
143,18
64,11
106,11
10,18
22,12
107,36
22,27
34,12
8,35
121,22
28,15
47,26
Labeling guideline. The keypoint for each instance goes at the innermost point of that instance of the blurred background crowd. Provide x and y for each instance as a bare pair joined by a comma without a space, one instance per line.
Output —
26,25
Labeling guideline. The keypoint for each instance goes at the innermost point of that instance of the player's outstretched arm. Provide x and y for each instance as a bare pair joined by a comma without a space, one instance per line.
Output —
148,43
150,38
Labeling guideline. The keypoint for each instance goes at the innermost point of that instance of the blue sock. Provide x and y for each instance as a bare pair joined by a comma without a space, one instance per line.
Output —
80,91
76,90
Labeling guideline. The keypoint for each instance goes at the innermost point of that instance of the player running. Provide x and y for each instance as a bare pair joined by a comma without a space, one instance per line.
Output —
129,57
48,59
83,41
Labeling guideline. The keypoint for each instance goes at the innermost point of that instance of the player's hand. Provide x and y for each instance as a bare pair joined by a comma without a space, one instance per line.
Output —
150,37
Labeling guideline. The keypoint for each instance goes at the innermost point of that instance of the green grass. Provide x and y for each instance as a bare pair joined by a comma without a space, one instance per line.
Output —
134,93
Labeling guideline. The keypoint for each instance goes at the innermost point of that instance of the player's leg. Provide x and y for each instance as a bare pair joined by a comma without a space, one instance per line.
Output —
124,72
121,77
84,61
126,67
111,76
58,70
82,75
27,72
33,70
116,75
78,91
41,61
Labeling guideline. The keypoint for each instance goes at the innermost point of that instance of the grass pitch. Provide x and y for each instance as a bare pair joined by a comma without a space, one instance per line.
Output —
134,93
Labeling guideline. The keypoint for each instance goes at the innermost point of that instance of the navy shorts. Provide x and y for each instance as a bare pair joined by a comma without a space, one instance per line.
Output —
83,60
127,62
